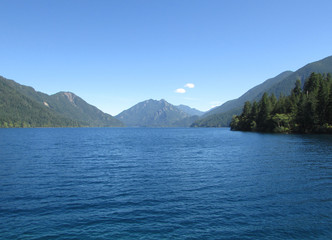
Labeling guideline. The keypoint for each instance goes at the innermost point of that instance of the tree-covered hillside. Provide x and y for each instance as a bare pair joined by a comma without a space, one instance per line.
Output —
70,105
18,110
306,110
217,120
22,106
281,84
254,93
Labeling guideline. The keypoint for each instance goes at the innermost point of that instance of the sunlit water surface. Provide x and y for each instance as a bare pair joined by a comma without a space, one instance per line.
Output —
130,183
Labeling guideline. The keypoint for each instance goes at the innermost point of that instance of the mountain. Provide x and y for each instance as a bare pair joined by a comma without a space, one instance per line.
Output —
74,107
185,122
281,84
152,113
18,110
254,93
24,105
217,120
288,83
189,110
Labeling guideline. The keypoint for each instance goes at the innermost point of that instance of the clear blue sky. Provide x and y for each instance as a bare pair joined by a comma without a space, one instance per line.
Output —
116,53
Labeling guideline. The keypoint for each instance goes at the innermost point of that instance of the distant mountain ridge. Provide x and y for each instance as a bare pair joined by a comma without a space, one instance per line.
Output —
154,113
23,105
189,110
281,84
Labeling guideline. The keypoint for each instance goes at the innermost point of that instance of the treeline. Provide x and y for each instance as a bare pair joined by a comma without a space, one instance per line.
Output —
306,110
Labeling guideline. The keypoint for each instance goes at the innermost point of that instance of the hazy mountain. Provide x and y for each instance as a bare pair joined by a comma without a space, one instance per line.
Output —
185,122
152,113
283,83
189,110
71,109
217,120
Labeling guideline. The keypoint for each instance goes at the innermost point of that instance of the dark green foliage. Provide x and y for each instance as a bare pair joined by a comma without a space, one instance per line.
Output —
304,111
74,107
297,90
282,84
265,109
312,84
323,101
22,106
18,110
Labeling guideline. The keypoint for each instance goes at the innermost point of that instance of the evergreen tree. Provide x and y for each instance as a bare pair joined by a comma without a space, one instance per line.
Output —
297,90
273,101
310,114
329,109
264,113
304,111
253,116
323,100
245,116
312,84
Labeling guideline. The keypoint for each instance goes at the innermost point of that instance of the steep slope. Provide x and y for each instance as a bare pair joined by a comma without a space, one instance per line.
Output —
287,84
254,93
74,107
281,84
18,110
189,110
217,120
152,113
68,106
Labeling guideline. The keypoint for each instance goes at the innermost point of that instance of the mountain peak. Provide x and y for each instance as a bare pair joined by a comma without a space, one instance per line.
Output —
189,110
61,109
70,96
152,113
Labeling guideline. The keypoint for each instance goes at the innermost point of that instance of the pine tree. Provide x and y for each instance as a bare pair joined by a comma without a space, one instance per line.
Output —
297,90
306,111
264,113
323,100
312,84
329,109
245,116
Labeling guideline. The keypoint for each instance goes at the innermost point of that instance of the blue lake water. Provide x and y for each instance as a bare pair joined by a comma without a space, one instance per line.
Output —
129,183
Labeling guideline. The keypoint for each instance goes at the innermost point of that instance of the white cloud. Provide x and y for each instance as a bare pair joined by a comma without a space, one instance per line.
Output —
180,90
189,85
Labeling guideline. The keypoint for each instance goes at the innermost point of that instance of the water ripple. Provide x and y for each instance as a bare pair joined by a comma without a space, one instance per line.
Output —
164,184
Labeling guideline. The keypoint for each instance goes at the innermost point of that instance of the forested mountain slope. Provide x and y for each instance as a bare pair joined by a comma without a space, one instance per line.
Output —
281,84
24,105
153,113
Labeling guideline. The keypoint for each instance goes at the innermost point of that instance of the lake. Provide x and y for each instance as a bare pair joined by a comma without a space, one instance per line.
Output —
164,183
